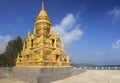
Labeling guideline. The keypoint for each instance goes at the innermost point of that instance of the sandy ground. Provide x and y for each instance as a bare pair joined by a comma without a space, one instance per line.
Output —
94,76
90,76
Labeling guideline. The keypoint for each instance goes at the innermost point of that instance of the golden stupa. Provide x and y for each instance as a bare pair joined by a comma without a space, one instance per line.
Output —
42,48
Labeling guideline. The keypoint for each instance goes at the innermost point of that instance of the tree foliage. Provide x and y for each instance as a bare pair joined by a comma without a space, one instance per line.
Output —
12,49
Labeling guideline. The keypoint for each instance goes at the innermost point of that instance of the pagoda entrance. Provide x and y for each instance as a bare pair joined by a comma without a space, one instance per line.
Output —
57,57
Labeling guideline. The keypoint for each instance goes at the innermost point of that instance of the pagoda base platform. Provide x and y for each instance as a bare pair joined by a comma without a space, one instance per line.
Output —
44,75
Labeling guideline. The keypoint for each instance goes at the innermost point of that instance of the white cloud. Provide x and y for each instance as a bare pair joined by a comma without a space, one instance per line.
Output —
68,29
3,42
116,44
115,13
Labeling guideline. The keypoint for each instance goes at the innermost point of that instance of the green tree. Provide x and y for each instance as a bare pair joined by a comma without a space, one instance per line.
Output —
3,59
12,49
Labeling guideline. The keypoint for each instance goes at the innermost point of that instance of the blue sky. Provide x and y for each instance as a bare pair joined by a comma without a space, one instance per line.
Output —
90,29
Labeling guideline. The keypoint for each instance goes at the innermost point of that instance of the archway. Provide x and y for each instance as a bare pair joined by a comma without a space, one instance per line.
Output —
57,57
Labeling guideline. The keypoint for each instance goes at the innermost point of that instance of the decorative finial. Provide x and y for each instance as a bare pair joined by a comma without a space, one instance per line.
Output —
62,46
42,5
57,33
18,55
68,59
29,32
51,31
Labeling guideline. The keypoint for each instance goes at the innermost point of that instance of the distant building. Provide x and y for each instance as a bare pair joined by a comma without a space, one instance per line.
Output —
42,48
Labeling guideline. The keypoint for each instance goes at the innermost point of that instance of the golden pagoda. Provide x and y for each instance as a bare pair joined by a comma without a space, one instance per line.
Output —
42,48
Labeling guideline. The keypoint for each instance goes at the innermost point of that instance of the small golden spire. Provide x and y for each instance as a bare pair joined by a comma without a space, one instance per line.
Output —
29,32
62,46
68,59
42,5
18,56
51,31
57,33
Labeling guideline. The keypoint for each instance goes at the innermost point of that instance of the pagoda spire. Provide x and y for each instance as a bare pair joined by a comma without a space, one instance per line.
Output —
42,5
42,16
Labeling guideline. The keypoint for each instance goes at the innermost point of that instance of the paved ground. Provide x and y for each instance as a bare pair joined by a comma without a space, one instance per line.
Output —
90,76
5,77
94,76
